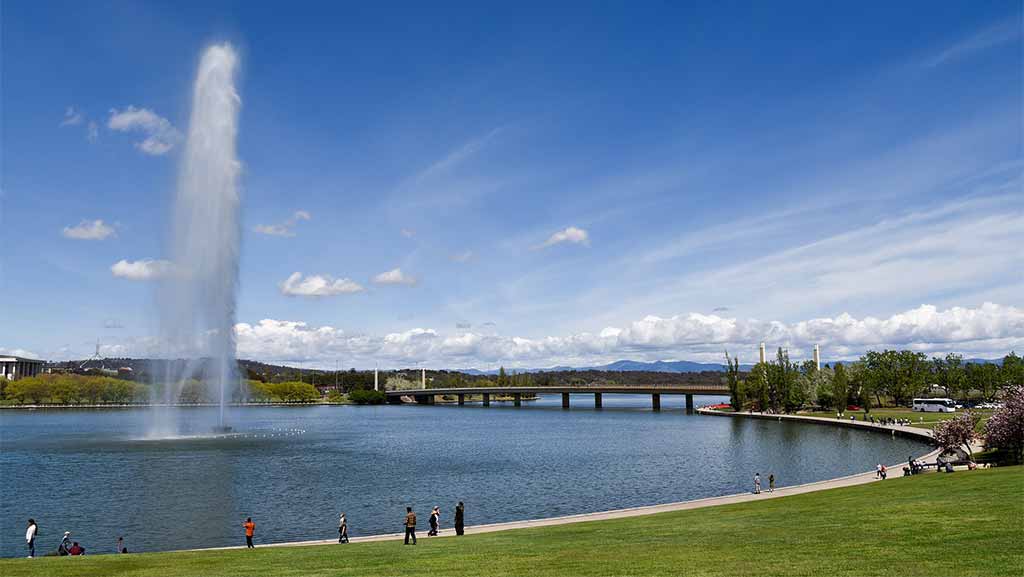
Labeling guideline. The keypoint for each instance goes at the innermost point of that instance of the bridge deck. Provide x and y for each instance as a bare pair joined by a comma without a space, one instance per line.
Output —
615,389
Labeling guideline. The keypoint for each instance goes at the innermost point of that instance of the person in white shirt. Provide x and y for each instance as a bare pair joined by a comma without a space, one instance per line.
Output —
30,537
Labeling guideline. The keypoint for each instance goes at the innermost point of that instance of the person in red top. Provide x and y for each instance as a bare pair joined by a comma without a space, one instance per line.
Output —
250,529
76,549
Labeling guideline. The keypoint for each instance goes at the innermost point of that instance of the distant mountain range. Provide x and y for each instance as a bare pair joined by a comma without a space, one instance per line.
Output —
624,365
663,367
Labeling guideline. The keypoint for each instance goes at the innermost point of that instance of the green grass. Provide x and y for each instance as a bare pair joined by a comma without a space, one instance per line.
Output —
923,420
967,523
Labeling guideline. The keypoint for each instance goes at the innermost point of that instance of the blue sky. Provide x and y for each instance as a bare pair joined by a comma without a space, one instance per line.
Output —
564,184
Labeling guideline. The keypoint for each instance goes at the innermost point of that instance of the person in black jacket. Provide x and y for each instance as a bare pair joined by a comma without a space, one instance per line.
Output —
460,518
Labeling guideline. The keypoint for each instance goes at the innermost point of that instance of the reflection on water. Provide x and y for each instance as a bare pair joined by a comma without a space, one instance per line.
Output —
89,472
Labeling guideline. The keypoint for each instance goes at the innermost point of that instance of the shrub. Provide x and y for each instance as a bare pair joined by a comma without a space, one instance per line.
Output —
366,397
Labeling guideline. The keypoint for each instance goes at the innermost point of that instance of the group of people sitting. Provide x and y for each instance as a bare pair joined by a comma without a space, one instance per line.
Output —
67,547
888,421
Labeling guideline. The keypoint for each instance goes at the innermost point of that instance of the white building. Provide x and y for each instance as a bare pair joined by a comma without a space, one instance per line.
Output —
12,368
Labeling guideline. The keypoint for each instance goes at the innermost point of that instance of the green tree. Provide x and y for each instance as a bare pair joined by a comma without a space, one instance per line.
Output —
840,388
1011,373
732,375
502,377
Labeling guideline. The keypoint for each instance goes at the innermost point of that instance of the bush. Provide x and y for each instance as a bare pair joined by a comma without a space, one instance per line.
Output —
367,397
335,397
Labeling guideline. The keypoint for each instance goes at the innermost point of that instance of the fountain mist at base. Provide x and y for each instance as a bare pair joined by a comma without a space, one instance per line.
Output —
197,297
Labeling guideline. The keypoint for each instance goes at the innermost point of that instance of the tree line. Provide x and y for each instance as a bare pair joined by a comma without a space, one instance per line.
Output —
782,386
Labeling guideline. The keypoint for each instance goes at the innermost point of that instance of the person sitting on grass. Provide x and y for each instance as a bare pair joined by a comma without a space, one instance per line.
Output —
76,549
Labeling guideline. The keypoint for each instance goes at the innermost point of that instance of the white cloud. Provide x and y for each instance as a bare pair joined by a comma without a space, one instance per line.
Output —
72,117
285,228
19,353
394,276
990,330
318,286
146,269
161,136
571,235
983,39
89,230
464,256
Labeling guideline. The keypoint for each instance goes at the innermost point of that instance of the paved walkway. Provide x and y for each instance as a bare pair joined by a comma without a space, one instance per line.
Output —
848,481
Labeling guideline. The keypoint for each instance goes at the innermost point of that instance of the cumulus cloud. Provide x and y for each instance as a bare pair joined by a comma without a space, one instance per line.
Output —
989,330
19,353
285,228
72,117
394,276
89,230
160,134
145,269
318,286
571,235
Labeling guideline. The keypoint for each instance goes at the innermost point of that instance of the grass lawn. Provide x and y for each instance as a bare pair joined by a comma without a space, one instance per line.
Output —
967,523
924,420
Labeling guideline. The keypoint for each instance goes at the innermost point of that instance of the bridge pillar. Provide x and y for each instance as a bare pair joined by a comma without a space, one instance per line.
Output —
656,401
597,400
689,404
565,400
487,399
518,399
462,399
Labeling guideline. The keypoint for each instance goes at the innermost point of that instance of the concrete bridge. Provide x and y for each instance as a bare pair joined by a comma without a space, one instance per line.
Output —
427,396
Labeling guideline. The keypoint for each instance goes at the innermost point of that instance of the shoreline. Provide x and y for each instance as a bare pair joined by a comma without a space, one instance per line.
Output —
844,481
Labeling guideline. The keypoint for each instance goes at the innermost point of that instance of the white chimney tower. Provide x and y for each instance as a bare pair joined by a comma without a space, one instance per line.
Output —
423,378
375,385
817,357
762,352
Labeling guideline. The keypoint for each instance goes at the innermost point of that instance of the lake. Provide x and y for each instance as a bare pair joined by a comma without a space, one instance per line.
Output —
88,472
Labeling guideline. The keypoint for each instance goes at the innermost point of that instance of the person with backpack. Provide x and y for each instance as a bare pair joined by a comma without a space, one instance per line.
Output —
30,537
435,521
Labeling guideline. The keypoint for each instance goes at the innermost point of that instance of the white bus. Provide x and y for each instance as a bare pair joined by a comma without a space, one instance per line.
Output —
934,405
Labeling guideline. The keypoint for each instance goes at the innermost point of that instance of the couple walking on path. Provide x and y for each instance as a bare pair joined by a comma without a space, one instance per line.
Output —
435,522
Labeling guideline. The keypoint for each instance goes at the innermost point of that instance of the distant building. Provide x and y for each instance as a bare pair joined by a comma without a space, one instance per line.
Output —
12,368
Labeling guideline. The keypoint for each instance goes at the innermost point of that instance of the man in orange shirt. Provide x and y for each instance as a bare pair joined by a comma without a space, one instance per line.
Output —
250,529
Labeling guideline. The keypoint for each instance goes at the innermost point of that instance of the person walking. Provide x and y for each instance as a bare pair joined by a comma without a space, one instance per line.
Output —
435,517
885,472
120,545
30,537
460,518
878,471
410,525
757,483
342,529
250,531
771,482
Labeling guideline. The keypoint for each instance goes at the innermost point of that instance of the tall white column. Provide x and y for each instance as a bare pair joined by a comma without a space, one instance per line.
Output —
376,387
817,357
762,357
423,378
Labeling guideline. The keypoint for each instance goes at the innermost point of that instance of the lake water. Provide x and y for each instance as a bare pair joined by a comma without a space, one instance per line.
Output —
86,471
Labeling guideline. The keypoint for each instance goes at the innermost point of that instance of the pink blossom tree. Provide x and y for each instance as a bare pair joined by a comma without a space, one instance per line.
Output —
1005,428
956,433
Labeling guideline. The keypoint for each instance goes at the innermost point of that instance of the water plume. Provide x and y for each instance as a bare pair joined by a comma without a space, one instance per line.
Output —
197,298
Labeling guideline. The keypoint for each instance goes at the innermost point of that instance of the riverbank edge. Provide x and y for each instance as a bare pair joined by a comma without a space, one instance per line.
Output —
845,481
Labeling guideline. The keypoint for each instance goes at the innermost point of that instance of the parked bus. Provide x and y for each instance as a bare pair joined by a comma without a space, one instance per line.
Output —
934,405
